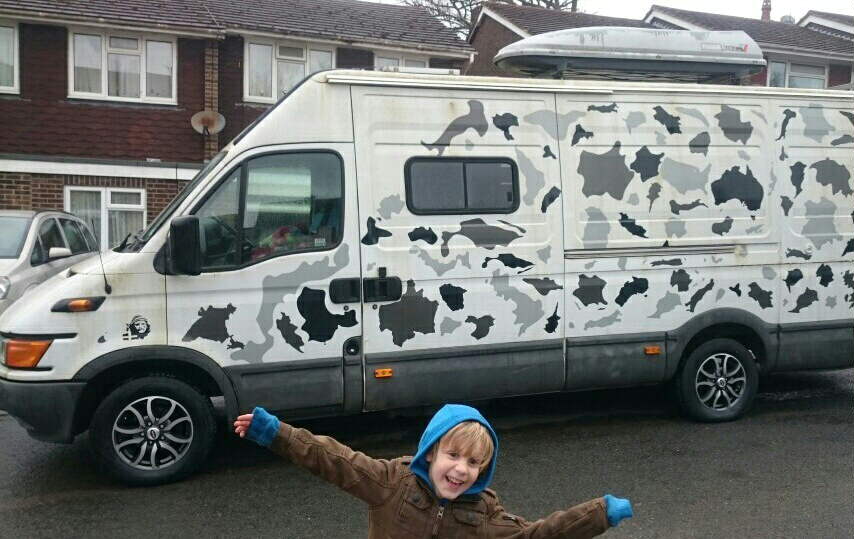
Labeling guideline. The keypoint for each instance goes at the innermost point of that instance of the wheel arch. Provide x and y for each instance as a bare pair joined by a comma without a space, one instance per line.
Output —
108,371
758,336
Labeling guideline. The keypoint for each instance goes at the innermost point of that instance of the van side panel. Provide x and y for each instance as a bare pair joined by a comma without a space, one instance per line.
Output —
474,283
669,214
814,150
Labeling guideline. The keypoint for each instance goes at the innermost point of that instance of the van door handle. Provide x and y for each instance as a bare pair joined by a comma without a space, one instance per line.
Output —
381,289
345,290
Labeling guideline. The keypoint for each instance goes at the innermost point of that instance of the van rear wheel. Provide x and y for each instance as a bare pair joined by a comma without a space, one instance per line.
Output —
718,381
152,430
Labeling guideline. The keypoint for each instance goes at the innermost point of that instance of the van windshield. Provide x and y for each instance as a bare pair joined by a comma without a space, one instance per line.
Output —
143,238
13,233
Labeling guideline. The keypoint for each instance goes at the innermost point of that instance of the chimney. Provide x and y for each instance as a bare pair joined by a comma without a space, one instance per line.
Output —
766,10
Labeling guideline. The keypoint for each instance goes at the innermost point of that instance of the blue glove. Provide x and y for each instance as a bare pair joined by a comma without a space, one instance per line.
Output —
617,508
263,428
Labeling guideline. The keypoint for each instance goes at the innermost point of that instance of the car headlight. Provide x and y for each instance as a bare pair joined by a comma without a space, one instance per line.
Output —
5,285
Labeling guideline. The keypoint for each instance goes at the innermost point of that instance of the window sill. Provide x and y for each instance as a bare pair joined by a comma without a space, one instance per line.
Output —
128,101
123,104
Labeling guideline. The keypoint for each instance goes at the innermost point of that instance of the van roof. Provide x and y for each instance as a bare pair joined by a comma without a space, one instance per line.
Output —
414,80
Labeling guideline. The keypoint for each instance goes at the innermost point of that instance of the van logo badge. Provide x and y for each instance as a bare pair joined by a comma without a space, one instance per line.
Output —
138,328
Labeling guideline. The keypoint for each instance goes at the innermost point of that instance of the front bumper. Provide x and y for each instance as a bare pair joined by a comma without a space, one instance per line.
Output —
45,409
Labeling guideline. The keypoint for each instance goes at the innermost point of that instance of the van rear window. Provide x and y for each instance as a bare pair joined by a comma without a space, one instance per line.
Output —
461,185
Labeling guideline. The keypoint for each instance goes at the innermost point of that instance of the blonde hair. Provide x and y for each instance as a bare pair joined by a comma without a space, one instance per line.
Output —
469,438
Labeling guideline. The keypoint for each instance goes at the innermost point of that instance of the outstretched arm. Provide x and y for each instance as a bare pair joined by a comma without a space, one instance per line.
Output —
582,521
371,480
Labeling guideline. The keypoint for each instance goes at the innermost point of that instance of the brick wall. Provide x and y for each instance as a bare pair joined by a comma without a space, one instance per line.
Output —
43,120
24,191
237,113
488,40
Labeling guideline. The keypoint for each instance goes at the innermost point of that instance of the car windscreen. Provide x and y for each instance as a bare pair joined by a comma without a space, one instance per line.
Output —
13,233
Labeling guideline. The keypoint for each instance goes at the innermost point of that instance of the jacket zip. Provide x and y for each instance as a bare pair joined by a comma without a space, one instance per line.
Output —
438,521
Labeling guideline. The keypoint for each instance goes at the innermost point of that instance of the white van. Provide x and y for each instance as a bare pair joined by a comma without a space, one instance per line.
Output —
383,240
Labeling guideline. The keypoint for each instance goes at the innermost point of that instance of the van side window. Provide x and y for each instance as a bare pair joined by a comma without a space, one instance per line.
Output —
294,203
461,185
273,205
76,241
218,219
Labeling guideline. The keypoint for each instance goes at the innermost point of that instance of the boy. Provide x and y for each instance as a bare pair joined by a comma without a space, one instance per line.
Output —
440,492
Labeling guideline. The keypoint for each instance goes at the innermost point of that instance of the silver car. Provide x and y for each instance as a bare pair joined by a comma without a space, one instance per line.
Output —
35,245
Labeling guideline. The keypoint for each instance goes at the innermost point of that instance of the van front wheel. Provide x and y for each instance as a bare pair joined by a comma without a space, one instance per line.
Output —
718,381
152,430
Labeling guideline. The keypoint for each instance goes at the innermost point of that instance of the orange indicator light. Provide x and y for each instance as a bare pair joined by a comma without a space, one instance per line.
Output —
383,373
25,354
81,305
652,350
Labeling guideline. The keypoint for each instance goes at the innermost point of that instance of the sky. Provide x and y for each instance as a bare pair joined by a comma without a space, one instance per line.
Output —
634,9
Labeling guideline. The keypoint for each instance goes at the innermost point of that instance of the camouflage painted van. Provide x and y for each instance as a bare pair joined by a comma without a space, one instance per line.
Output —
385,240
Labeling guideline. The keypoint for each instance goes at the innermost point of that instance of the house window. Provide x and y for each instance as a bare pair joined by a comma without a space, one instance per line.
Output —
452,185
8,58
121,67
384,60
792,75
806,76
274,68
111,213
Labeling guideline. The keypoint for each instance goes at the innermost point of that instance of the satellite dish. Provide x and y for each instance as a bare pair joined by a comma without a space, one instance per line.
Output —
208,122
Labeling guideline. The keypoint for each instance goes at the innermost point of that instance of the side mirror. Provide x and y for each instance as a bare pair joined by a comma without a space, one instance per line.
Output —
58,252
185,253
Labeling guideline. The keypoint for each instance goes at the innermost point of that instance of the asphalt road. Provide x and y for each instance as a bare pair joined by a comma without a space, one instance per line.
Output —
785,470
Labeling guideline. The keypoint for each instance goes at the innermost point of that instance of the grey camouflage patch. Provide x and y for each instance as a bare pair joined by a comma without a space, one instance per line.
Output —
666,304
389,206
820,228
527,310
694,113
609,320
596,230
535,180
729,120
675,227
634,119
684,177
475,119
437,266
448,326
605,173
816,126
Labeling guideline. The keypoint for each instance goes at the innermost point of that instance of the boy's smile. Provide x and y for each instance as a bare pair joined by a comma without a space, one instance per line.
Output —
452,473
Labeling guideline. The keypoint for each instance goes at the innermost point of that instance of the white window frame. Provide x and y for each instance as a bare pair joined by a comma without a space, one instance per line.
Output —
275,92
142,39
788,64
400,57
16,58
107,205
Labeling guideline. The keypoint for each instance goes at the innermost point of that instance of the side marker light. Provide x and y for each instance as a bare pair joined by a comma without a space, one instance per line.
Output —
652,350
22,354
383,373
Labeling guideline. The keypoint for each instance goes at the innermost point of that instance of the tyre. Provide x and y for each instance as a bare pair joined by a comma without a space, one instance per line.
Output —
152,430
718,381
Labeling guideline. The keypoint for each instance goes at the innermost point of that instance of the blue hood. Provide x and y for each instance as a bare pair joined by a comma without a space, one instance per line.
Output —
445,419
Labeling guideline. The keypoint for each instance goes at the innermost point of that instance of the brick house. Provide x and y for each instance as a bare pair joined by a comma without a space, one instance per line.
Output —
96,96
797,56
497,25
803,55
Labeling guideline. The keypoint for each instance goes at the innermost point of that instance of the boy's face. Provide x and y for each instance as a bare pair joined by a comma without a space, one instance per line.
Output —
452,472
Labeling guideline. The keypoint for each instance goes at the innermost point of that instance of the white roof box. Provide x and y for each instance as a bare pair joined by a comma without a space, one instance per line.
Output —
633,54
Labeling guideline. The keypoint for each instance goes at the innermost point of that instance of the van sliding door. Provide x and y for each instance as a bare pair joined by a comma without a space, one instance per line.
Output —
461,244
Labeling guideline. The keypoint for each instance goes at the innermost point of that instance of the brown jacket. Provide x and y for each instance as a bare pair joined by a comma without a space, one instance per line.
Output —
402,506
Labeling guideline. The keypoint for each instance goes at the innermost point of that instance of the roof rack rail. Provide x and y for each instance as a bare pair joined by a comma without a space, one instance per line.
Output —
420,70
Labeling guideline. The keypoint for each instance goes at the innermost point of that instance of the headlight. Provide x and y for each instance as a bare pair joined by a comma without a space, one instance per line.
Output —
5,285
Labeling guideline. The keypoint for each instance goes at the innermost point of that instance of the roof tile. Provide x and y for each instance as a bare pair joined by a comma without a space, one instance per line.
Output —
535,20
764,32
